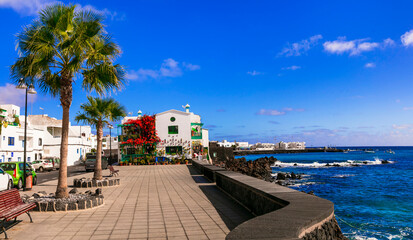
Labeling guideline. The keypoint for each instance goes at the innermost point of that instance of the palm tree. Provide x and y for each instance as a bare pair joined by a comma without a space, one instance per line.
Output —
98,112
61,46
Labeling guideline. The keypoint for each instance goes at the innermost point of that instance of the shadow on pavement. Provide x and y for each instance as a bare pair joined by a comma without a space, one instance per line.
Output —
230,211
9,225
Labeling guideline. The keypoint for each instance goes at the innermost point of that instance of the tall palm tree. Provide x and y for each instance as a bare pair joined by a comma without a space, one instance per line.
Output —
98,112
61,46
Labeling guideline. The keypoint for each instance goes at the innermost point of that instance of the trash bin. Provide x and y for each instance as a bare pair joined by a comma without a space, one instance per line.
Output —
29,180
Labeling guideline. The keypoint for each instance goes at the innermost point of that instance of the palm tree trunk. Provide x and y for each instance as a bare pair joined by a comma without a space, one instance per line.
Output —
98,166
66,101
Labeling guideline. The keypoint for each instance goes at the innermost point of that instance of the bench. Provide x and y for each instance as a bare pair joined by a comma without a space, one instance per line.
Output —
113,171
11,206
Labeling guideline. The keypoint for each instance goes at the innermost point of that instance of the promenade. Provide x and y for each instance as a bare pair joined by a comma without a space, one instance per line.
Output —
152,202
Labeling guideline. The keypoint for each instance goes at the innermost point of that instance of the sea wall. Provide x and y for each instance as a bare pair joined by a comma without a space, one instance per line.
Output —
281,212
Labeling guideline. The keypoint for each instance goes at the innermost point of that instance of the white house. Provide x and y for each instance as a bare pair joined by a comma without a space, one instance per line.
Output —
12,136
43,137
79,142
181,133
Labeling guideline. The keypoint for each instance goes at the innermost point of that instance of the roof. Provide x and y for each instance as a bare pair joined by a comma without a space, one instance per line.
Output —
174,111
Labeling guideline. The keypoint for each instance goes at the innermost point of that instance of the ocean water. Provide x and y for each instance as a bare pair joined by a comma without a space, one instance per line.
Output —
372,200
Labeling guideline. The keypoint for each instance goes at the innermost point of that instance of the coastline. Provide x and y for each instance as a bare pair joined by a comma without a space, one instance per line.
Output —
307,150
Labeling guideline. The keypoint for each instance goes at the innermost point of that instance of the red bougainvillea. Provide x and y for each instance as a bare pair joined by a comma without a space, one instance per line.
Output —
141,131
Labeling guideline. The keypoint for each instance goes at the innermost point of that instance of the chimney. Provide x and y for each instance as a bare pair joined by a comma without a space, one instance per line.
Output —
187,108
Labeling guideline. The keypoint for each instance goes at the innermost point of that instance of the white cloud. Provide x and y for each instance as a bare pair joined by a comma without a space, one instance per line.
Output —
32,7
388,42
275,112
293,68
191,67
26,7
298,48
9,94
370,65
169,68
407,38
254,73
270,112
354,47
402,126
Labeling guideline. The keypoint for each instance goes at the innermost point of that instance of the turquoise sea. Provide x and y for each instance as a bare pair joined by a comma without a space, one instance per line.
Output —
372,200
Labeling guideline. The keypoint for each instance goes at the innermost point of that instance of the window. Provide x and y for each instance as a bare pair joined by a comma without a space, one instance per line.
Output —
40,142
173,119
11,141
173,150
23,143
172,129
35,156
19,159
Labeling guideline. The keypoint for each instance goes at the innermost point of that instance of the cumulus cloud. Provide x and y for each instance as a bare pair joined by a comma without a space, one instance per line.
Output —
293,68
301,47
354,47
407,38
32,7
370,65
254,73
169,68
275,112
9,94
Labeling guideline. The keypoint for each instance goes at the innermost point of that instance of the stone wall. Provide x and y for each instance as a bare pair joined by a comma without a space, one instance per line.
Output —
282,213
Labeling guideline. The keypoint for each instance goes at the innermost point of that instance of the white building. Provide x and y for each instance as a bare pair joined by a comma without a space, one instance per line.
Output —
264,146
290,145
79,142
225,143
43,137
12,136
181,133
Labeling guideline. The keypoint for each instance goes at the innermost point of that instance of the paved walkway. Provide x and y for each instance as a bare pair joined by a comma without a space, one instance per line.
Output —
152,202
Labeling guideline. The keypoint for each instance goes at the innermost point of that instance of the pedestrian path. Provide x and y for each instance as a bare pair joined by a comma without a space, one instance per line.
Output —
152,202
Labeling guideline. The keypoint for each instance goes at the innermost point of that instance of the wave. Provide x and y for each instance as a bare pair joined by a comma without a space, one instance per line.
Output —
348,163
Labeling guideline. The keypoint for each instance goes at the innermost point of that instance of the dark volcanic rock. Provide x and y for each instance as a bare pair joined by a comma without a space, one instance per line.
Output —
259,168
281,176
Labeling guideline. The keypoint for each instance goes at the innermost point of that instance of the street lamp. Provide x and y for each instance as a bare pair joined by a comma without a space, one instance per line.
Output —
29,90
110,142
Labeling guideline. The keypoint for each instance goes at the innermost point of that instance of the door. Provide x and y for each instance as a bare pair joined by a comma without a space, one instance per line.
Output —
4,180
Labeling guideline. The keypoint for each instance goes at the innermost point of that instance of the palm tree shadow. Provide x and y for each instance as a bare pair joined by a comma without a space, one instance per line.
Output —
232,213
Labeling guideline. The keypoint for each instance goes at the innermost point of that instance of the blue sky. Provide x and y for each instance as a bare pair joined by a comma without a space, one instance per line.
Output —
331,73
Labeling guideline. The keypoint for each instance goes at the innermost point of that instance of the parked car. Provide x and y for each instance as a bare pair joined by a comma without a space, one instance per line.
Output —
55,162
42,165
15,169
6,181
91,162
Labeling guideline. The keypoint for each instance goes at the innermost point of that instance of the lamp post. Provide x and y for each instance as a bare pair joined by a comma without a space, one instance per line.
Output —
29,90
110,142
